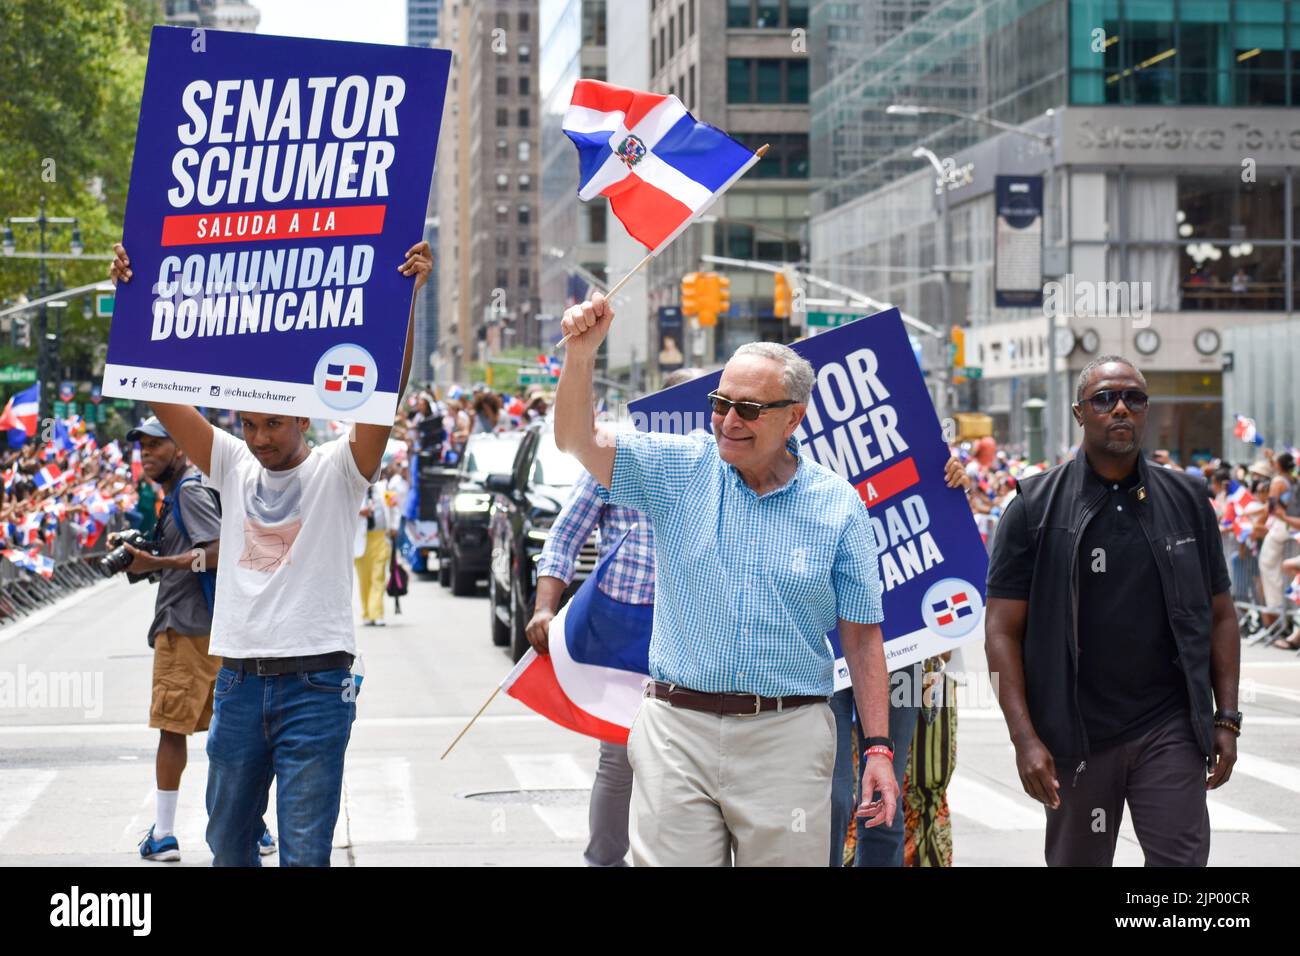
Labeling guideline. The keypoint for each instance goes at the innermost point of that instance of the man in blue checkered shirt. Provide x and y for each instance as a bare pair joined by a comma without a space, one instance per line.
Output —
630,578
759,552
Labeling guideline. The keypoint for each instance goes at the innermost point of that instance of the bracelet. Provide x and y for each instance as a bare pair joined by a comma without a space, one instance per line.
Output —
1229,725
882,751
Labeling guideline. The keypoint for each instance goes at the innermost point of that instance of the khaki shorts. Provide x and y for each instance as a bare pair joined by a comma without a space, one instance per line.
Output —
183,678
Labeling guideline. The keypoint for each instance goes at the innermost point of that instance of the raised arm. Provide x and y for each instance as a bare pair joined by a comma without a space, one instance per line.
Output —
575,418
370,441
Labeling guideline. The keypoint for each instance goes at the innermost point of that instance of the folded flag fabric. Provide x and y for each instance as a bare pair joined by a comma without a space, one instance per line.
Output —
657,164
40,563
47,476
599,660
1246,431
22,411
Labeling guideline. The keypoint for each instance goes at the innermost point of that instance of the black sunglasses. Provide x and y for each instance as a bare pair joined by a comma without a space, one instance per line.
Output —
1105,400
749,411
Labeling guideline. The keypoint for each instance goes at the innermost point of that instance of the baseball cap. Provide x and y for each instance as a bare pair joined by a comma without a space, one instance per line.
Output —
150,426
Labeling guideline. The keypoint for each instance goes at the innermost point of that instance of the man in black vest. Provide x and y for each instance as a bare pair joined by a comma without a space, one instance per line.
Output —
1112,635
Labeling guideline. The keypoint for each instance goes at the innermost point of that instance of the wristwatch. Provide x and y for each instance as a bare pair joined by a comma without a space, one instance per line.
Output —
1232,715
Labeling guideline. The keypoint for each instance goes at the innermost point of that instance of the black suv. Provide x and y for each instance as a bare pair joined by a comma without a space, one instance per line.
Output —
463,511
525,504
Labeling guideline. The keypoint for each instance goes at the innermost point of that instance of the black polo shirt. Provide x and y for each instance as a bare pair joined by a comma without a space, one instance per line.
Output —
1129,680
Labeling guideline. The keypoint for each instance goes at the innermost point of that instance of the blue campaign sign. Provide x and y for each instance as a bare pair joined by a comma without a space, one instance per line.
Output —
872,422
276,186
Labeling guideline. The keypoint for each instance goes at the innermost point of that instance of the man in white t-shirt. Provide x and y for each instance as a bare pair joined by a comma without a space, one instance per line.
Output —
284,700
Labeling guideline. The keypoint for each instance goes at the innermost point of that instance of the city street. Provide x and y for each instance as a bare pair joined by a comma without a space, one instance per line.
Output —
76,783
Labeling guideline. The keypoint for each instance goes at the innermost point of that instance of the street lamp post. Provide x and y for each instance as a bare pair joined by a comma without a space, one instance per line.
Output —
945,267
41,222
1053,416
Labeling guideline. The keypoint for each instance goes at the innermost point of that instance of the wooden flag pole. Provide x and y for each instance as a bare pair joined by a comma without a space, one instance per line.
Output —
760,152
471,722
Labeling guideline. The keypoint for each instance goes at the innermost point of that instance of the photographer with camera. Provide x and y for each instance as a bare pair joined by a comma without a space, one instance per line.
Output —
181,555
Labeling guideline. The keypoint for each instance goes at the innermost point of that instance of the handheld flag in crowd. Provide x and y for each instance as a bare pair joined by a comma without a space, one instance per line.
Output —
20,414
48,476
599,659
1246,431
657,164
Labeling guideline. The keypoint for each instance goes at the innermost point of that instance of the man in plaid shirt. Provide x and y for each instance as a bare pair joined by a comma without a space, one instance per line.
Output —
630,578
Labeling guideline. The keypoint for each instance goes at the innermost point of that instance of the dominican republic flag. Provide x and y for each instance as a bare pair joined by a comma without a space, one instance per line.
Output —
345,378
1245,430
951,608
550,364
19,558
48,475
591,680
113,452
20,414
41,563
29,529
657,164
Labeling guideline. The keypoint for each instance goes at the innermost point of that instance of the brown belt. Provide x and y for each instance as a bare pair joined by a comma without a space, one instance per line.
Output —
727,705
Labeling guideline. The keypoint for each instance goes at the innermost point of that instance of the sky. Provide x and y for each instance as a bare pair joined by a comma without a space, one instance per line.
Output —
362,21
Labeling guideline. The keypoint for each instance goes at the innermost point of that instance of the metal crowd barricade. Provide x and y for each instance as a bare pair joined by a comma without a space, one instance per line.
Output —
75,566
1248,592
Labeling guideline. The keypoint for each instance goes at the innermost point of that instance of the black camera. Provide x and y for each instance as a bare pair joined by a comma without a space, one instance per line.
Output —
119,559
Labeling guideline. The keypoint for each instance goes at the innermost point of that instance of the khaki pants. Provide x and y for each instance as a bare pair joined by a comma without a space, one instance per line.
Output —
705,787
183,676
372,573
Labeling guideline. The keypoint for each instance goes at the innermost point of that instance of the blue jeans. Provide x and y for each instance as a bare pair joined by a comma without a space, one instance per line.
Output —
881,845
844,788
293,728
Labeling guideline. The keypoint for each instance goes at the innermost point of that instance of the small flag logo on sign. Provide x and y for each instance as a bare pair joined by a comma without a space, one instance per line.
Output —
345,378
952,607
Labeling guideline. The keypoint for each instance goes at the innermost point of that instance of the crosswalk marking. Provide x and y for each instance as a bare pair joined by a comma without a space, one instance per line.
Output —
554,772
18,794
989,807
378,802
1268,770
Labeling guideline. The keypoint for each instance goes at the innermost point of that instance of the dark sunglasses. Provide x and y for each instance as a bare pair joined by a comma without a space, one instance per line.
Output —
749,411
1108,398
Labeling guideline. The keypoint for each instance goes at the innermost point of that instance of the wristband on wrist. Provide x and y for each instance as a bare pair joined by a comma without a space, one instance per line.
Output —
878,750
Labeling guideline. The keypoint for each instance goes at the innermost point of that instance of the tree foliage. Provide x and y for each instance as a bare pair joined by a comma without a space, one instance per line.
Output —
71,77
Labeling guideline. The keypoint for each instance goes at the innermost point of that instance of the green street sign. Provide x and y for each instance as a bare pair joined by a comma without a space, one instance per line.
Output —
830,320
11,374
538,378
971,371
104,304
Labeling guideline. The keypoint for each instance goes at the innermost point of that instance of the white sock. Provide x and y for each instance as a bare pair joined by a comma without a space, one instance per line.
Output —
165,815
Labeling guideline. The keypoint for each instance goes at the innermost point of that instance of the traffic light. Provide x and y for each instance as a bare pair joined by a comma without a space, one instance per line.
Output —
958,347
781,297
691,292
23,331
721,294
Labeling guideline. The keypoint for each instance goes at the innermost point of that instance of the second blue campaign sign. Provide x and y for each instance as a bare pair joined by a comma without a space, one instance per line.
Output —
872,422
276,186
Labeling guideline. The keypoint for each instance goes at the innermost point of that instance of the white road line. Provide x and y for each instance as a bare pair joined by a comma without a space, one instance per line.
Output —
1269,771
380,801
1224,818
554,772
548,772
1270,690
991,808
19,791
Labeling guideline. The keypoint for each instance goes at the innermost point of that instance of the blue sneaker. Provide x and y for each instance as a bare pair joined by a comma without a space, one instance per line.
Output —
266,845
165,850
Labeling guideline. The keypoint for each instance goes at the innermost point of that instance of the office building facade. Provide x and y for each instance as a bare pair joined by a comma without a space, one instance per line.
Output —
1168,174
